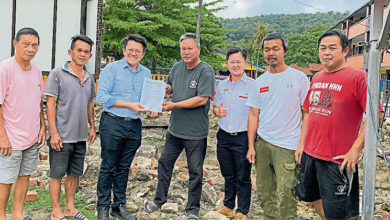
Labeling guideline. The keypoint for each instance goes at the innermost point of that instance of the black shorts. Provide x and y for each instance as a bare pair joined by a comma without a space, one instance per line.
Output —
320,179
69,161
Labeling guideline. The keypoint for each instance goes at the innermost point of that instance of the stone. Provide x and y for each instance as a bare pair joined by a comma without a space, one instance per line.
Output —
90,207
33,182
212,181
41,183
132,207
43,156
170,208
142,175
153,173
31,196
148,151
253,181
182,176
208,194
181,163
153,163
205,172
133,170
213,215
221,195
142,162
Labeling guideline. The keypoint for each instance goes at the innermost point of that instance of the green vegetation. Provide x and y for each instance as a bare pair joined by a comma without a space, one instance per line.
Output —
161,22
284,23
43,203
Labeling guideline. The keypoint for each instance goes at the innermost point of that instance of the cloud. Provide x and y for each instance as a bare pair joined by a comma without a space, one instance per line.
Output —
239,8
249,8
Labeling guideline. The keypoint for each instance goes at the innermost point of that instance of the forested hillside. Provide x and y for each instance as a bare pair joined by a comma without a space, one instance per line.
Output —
285,23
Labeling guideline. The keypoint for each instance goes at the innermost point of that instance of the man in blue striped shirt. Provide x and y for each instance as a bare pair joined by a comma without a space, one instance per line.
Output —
119,91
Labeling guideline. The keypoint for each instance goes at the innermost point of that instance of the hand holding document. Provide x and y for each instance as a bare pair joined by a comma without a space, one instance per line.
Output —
152,96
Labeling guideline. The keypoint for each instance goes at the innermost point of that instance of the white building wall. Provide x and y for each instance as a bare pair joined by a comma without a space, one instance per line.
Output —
6,27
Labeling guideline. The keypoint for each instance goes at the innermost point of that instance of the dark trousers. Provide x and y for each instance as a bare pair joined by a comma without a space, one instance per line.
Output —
235,168
120,140
195,152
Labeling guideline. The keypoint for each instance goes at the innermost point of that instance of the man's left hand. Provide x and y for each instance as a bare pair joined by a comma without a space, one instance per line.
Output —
91,135
167,106
350,159
41,136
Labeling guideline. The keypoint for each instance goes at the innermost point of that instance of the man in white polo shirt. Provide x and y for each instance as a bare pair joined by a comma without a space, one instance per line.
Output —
275,113
22,126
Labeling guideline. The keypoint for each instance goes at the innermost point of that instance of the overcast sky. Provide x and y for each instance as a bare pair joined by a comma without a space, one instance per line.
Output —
249,8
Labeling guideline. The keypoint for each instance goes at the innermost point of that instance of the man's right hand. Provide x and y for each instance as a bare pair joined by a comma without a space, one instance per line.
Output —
5,146
55,141
298,154
136,107
251,155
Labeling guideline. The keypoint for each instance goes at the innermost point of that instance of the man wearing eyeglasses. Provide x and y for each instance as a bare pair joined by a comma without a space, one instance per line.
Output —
119,90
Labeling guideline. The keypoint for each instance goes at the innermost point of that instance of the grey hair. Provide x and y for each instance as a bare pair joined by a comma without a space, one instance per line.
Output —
190,36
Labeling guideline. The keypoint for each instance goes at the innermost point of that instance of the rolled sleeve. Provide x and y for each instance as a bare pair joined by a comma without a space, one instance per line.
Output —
93,88
305,88
253,98
206,83
52,85
106,82
217,99
4,83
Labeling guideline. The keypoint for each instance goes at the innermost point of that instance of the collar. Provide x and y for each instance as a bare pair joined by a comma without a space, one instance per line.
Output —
66,68
124,65
244,78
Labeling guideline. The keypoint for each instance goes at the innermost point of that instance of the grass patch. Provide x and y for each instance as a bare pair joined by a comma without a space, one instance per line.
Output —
43,203
153,140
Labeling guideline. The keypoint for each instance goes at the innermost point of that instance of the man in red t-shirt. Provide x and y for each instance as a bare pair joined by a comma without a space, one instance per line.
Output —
330,141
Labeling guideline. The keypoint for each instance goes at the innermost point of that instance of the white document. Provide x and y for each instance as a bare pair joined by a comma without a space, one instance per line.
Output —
152,96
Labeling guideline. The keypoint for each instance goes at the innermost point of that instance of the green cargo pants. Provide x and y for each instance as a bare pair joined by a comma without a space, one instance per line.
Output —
276,176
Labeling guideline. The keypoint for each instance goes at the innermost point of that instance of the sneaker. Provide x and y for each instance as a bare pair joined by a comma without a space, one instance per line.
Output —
240,216
122,213
226,211
103,213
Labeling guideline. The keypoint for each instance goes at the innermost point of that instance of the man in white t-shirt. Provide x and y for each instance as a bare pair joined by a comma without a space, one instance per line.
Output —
275,114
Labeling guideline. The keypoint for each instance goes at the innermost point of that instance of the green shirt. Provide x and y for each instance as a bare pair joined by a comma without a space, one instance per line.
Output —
190,123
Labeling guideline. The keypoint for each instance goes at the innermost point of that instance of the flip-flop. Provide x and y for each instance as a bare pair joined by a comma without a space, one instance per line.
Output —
27,218
78,216
152,206
192,217
63,218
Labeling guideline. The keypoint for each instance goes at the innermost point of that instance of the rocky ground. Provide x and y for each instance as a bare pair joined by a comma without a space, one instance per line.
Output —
143,179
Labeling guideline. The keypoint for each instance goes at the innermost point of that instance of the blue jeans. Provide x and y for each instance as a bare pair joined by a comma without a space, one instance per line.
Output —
195,152
120,140
235,169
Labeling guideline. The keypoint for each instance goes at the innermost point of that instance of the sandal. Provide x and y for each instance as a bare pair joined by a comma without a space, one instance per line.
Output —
78,216
192,217
152,206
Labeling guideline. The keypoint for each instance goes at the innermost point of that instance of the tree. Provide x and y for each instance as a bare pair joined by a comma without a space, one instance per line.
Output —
199,22
253,42
161,22
303,47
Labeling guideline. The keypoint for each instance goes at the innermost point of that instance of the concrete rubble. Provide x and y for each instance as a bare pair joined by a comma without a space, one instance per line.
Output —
143,177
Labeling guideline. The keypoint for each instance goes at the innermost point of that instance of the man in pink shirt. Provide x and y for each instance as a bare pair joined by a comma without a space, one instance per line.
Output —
22,127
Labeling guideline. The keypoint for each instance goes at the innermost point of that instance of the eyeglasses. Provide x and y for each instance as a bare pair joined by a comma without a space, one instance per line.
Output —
131,51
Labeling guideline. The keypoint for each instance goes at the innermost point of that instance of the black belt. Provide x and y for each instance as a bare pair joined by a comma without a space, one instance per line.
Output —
120,117
234,133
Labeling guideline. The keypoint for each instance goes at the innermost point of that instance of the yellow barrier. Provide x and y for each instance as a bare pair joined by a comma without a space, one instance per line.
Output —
161,77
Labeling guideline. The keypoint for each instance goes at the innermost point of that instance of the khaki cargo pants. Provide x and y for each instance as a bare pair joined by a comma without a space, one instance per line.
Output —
276,177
